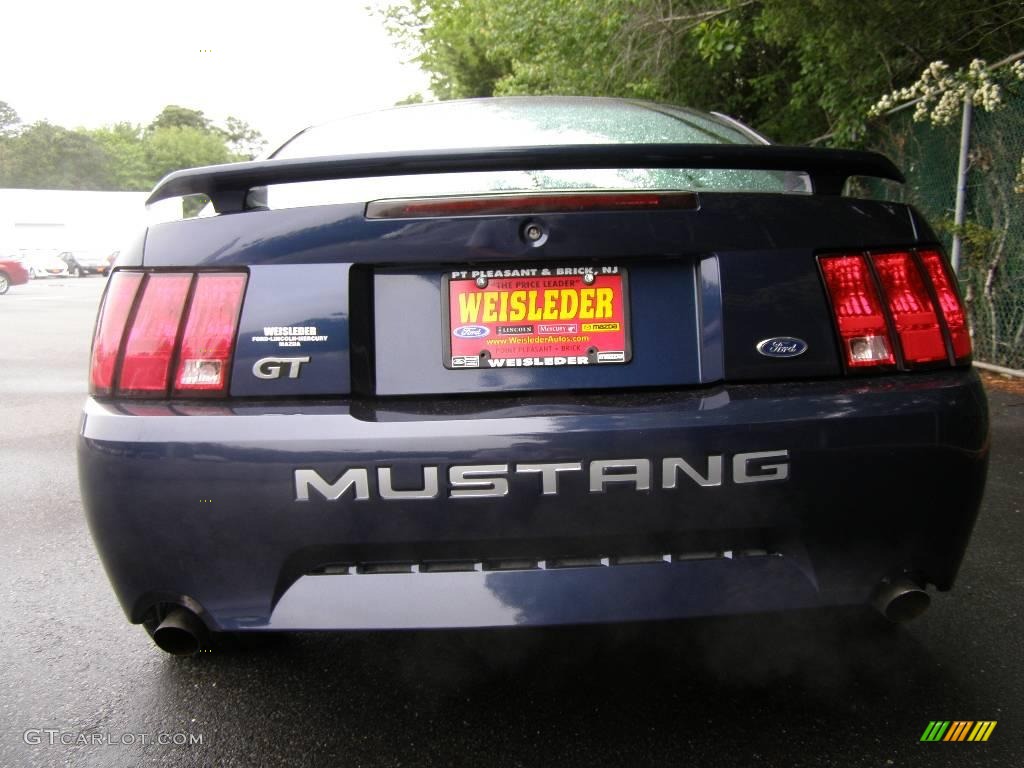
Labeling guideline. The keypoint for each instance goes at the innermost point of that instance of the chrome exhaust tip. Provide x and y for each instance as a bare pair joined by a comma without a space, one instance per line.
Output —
181,633
900,599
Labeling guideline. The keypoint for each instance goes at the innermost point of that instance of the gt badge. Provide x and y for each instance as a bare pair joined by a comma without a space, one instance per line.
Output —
273,367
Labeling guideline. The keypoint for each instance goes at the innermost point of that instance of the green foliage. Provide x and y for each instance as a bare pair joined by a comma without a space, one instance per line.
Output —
720,40
795,69
173,116
412,98
45,155
175,147
122,156
976,240
848,53
455,45
126,153
244,141
492,46
9,120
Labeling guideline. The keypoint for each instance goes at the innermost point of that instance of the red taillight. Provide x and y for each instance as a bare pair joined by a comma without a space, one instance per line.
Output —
911,308
862,328
949,303
917,292
154,334
153,338
209,337
106,342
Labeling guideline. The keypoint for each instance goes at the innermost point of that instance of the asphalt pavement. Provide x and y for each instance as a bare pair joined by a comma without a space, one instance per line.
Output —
80,686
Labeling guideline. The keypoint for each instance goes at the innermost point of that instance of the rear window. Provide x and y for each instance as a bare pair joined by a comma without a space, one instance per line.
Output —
514,122
517,122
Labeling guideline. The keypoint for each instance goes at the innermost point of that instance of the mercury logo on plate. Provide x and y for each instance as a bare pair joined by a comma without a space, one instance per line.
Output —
782,346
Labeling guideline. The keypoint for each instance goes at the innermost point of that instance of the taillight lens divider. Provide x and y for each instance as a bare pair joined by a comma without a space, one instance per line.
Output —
953,283
115,381
933,294
229,364
100,317
883,301
832,310
172,369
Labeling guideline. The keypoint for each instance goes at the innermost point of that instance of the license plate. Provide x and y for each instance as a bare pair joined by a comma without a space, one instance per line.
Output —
536,317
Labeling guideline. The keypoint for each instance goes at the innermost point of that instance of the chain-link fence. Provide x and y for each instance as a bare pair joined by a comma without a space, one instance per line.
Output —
991,270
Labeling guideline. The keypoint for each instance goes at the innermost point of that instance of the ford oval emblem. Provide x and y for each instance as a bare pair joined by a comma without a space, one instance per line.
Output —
471,331
782,346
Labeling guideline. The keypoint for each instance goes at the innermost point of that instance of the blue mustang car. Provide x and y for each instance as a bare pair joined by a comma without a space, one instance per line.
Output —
525,362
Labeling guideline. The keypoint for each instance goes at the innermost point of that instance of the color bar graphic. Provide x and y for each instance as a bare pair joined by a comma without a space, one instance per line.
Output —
982,730
935,731
958,730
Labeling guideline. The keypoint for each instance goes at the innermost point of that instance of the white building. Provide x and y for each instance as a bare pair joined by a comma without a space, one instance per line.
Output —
48,221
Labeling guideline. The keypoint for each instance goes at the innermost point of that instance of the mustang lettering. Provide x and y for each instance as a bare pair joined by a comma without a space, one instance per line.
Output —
491,480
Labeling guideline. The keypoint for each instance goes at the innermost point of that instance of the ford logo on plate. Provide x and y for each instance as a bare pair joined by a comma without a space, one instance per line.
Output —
471,331
782,346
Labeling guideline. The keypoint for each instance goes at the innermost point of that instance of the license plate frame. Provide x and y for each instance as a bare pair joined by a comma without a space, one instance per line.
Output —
562,316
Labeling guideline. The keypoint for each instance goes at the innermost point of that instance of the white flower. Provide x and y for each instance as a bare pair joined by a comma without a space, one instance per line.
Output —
947,108
942,92
988,96
936,69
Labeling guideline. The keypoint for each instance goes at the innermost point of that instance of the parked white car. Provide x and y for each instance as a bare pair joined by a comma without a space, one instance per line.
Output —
45,265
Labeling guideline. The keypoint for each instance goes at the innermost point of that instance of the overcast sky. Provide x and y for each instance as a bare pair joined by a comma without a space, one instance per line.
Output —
280,66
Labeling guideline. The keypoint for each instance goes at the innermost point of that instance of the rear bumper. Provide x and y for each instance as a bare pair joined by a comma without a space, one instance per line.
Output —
197,504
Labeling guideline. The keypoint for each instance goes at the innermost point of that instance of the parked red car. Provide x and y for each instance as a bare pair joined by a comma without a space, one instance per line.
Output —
11,273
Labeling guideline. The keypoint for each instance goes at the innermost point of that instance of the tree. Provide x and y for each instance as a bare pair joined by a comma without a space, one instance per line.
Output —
848,53
452,42
122,156
412,98
9,120
45,156
244,141
795,69
173,148
125,145
173,116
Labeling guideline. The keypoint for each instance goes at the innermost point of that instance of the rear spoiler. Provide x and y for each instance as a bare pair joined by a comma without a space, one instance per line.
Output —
227,185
